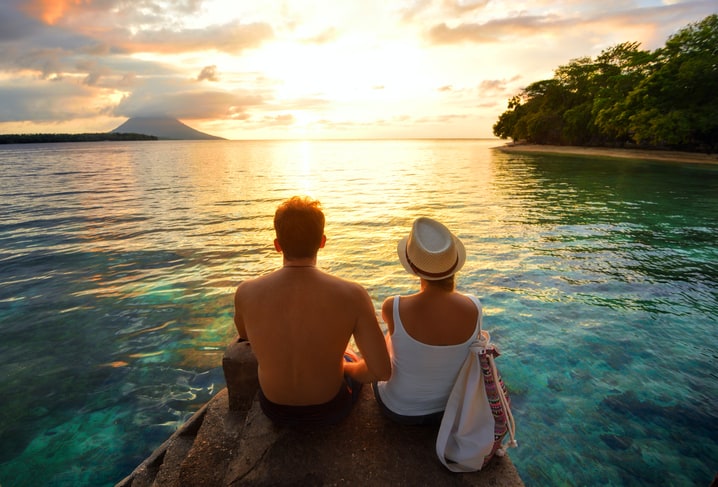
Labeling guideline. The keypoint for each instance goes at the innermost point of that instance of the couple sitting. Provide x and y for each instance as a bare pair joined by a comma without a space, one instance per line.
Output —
300,319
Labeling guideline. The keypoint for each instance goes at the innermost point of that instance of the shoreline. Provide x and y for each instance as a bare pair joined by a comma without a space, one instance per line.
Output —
650,155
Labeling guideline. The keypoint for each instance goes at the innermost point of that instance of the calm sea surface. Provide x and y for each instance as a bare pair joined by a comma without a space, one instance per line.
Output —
118,262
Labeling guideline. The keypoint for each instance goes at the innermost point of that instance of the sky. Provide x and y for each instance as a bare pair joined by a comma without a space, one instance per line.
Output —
302,69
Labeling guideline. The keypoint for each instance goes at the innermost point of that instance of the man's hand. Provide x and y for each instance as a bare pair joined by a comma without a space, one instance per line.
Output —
360,372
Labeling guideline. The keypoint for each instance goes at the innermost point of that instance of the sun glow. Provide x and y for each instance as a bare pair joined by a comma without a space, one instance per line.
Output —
316,69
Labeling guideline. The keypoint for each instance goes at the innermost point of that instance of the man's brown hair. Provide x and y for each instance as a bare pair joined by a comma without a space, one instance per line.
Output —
299,225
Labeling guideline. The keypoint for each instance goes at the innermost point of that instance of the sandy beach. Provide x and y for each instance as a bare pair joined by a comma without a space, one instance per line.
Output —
652,155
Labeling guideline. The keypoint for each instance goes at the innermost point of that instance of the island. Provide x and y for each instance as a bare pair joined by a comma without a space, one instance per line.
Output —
137,128
91,137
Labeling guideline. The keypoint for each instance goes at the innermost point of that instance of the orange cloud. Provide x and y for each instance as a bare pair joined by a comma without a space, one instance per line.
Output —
232,37
50,11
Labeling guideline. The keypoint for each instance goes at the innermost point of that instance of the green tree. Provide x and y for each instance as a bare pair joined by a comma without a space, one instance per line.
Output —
533,115
507,124
665,98
622,69
676,105
579,80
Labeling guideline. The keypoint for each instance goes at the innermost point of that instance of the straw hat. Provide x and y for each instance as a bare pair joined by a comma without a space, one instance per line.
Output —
431,251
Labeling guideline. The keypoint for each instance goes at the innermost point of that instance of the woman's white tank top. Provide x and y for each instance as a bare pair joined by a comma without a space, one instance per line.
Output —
422,375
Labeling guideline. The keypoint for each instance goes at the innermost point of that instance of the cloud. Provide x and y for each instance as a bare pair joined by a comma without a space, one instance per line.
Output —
582,21
100,62
416,8
278,120
127,81
94,71
306,103
49,51
232,38
349,64
492,31
489,93
493,93
188,104
126,27
33,101
208,73
104,12
49,11
493,87
463,6
14,25
324,37
440,9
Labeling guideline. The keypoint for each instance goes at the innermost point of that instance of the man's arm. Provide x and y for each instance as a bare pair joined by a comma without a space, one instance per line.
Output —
238,320
375,364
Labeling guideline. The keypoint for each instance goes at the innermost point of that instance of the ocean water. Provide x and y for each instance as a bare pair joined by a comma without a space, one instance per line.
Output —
118,261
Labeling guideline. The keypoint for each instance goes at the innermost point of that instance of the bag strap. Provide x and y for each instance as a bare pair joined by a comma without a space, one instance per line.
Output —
510,423
490,350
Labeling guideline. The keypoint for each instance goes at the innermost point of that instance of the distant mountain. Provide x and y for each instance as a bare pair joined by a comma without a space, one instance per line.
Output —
162,128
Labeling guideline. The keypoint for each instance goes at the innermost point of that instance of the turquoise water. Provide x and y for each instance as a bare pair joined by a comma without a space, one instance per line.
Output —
118,262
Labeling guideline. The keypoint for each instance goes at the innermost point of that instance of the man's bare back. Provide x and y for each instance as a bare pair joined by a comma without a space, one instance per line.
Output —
299,319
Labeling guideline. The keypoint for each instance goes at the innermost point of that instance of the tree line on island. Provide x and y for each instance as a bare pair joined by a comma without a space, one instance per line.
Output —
626,97
136,128
91,137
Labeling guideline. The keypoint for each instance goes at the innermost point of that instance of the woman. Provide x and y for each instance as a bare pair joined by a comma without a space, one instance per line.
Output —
430,331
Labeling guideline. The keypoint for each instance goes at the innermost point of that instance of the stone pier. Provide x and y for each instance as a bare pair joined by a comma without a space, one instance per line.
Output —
229,442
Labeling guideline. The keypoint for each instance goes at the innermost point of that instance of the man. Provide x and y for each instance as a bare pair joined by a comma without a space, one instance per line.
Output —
299,320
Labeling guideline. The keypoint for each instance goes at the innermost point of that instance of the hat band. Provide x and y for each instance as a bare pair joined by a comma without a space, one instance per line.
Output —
436,275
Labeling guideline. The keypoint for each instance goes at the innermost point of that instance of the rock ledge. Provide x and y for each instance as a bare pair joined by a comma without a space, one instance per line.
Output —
225,446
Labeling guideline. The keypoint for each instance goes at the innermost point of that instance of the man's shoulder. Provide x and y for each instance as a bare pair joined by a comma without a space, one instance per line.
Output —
341,281
345,286
254,283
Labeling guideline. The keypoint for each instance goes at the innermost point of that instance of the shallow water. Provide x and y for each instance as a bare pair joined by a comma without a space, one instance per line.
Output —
118,262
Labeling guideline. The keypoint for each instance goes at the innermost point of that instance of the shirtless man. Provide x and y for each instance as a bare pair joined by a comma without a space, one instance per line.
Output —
299,320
